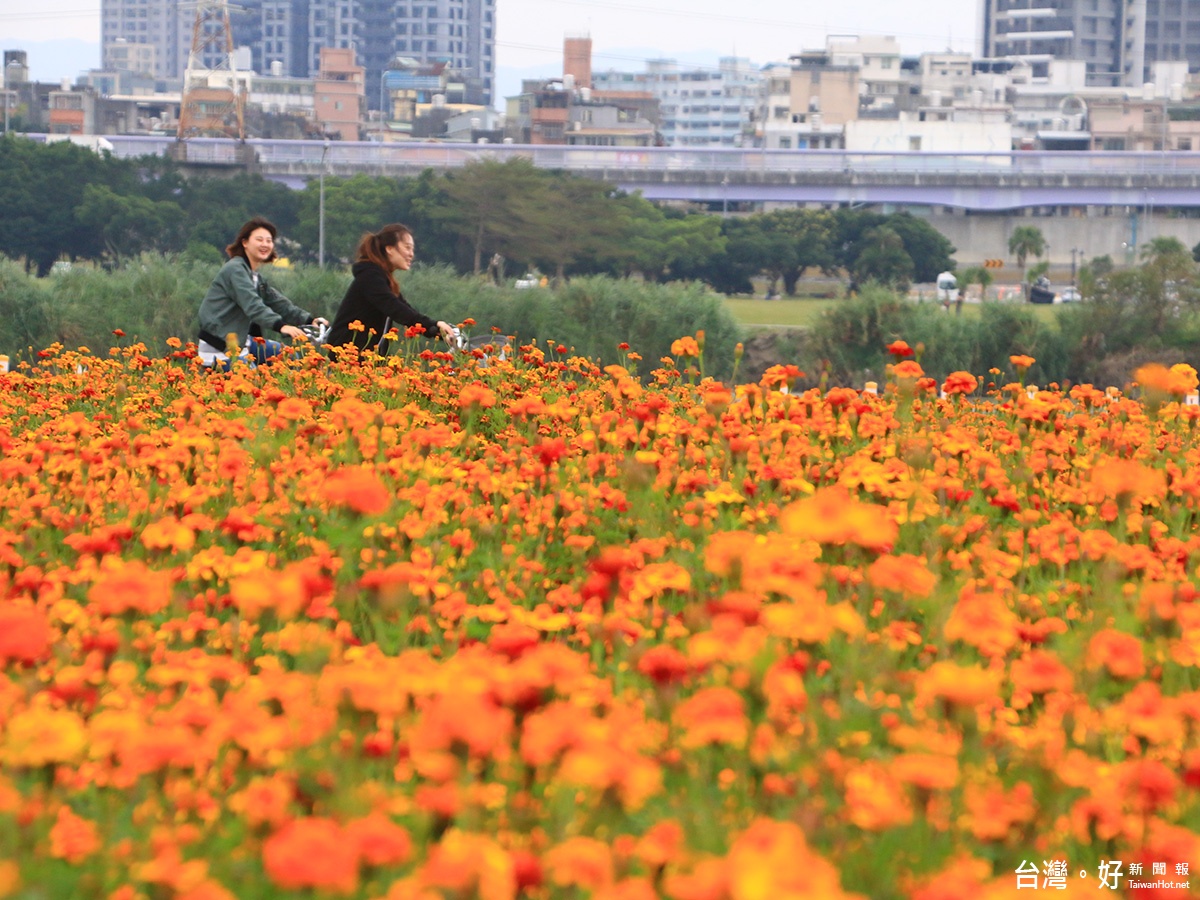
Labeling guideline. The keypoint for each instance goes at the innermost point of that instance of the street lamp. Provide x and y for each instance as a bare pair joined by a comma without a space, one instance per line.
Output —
321,209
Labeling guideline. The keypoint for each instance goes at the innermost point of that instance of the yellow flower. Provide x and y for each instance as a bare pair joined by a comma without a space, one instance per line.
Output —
38,737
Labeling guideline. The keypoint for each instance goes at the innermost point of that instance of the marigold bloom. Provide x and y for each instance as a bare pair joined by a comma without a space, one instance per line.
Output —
38,737
476,395
905,574
960,383
900,349
380,840
128,587
1126,479
72,837
832,516
910,369
772,861
464,863
1040,672
875,800
714,715
25,634
1176,381
357,488
312,853
1120,653
581,862
1021,362
956,684
685,346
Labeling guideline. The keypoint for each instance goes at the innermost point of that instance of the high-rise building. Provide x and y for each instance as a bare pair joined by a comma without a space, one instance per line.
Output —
1118,40
459,33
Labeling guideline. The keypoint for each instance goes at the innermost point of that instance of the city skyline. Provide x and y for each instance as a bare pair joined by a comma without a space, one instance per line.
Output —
530,33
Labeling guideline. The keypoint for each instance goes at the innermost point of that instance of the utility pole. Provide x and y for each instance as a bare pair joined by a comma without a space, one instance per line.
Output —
321,209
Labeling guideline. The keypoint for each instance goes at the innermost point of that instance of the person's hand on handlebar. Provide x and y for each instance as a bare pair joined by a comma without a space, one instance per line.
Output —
321,321
449,332
294,332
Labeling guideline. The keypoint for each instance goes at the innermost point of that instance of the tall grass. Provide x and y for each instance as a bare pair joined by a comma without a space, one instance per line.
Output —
154,298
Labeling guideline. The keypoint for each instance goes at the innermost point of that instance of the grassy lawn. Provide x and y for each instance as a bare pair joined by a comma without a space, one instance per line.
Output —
803,313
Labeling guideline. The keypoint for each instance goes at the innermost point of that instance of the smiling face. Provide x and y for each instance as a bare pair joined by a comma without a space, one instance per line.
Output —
259,247
400,254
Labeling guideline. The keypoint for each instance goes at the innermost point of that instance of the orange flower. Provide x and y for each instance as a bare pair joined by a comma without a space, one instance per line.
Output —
875,801
960,383
73,838
832,516
580,862
127,587
910,369
772,861
1126,479
1021,363
25,635
357,488
1120,653
905,574
38,737
312,853
900,349
714,715
467,864
685,346
1176,381
476,395
958,685
380,840
1040,672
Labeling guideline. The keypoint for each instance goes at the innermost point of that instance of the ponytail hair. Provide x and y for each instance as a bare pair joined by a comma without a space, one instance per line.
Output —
373,248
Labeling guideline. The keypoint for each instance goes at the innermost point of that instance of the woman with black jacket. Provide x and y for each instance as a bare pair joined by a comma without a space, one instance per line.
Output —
374,299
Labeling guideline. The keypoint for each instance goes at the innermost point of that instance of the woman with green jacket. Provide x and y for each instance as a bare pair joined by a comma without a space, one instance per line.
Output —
239,302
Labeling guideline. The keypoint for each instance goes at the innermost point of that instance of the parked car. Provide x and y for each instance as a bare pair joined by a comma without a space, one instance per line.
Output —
1069,295
529,281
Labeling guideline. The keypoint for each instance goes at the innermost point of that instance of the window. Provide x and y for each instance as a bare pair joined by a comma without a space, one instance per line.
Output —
914,142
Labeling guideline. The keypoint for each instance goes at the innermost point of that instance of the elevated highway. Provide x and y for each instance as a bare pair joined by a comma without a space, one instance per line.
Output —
984,182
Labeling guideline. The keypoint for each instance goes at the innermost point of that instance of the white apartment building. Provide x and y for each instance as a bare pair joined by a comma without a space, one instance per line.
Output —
698,107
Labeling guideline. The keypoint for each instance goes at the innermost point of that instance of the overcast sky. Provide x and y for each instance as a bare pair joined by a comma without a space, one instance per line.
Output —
624,33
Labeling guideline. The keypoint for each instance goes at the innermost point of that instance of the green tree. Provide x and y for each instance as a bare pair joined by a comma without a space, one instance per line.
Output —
353,206
41,186
930,250
130,224
1026,241
577,221
884,260
975,275
496,206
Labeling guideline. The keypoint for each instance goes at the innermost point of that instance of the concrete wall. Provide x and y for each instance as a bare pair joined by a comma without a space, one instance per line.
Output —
986,236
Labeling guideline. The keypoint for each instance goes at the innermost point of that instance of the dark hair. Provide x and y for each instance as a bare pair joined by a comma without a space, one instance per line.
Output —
373,248
236,248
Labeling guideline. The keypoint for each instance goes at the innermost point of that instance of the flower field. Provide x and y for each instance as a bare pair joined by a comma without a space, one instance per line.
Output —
450,628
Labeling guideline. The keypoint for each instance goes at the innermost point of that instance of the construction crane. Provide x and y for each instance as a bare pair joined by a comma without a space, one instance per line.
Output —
214,96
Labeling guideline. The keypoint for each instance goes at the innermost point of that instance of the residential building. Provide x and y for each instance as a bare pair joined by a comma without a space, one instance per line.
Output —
422,99
698,107
881,77
338,94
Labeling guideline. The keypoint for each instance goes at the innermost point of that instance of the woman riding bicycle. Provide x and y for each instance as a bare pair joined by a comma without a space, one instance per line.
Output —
240,303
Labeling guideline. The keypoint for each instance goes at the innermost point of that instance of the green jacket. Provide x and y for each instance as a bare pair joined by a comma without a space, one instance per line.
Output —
233,304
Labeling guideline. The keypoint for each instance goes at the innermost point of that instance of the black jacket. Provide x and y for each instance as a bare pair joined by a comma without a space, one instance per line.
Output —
370,300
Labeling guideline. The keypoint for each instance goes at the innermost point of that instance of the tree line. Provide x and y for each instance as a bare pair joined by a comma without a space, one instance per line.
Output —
66,202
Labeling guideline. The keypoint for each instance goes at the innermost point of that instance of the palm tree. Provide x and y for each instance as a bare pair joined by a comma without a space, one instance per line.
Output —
1026,240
